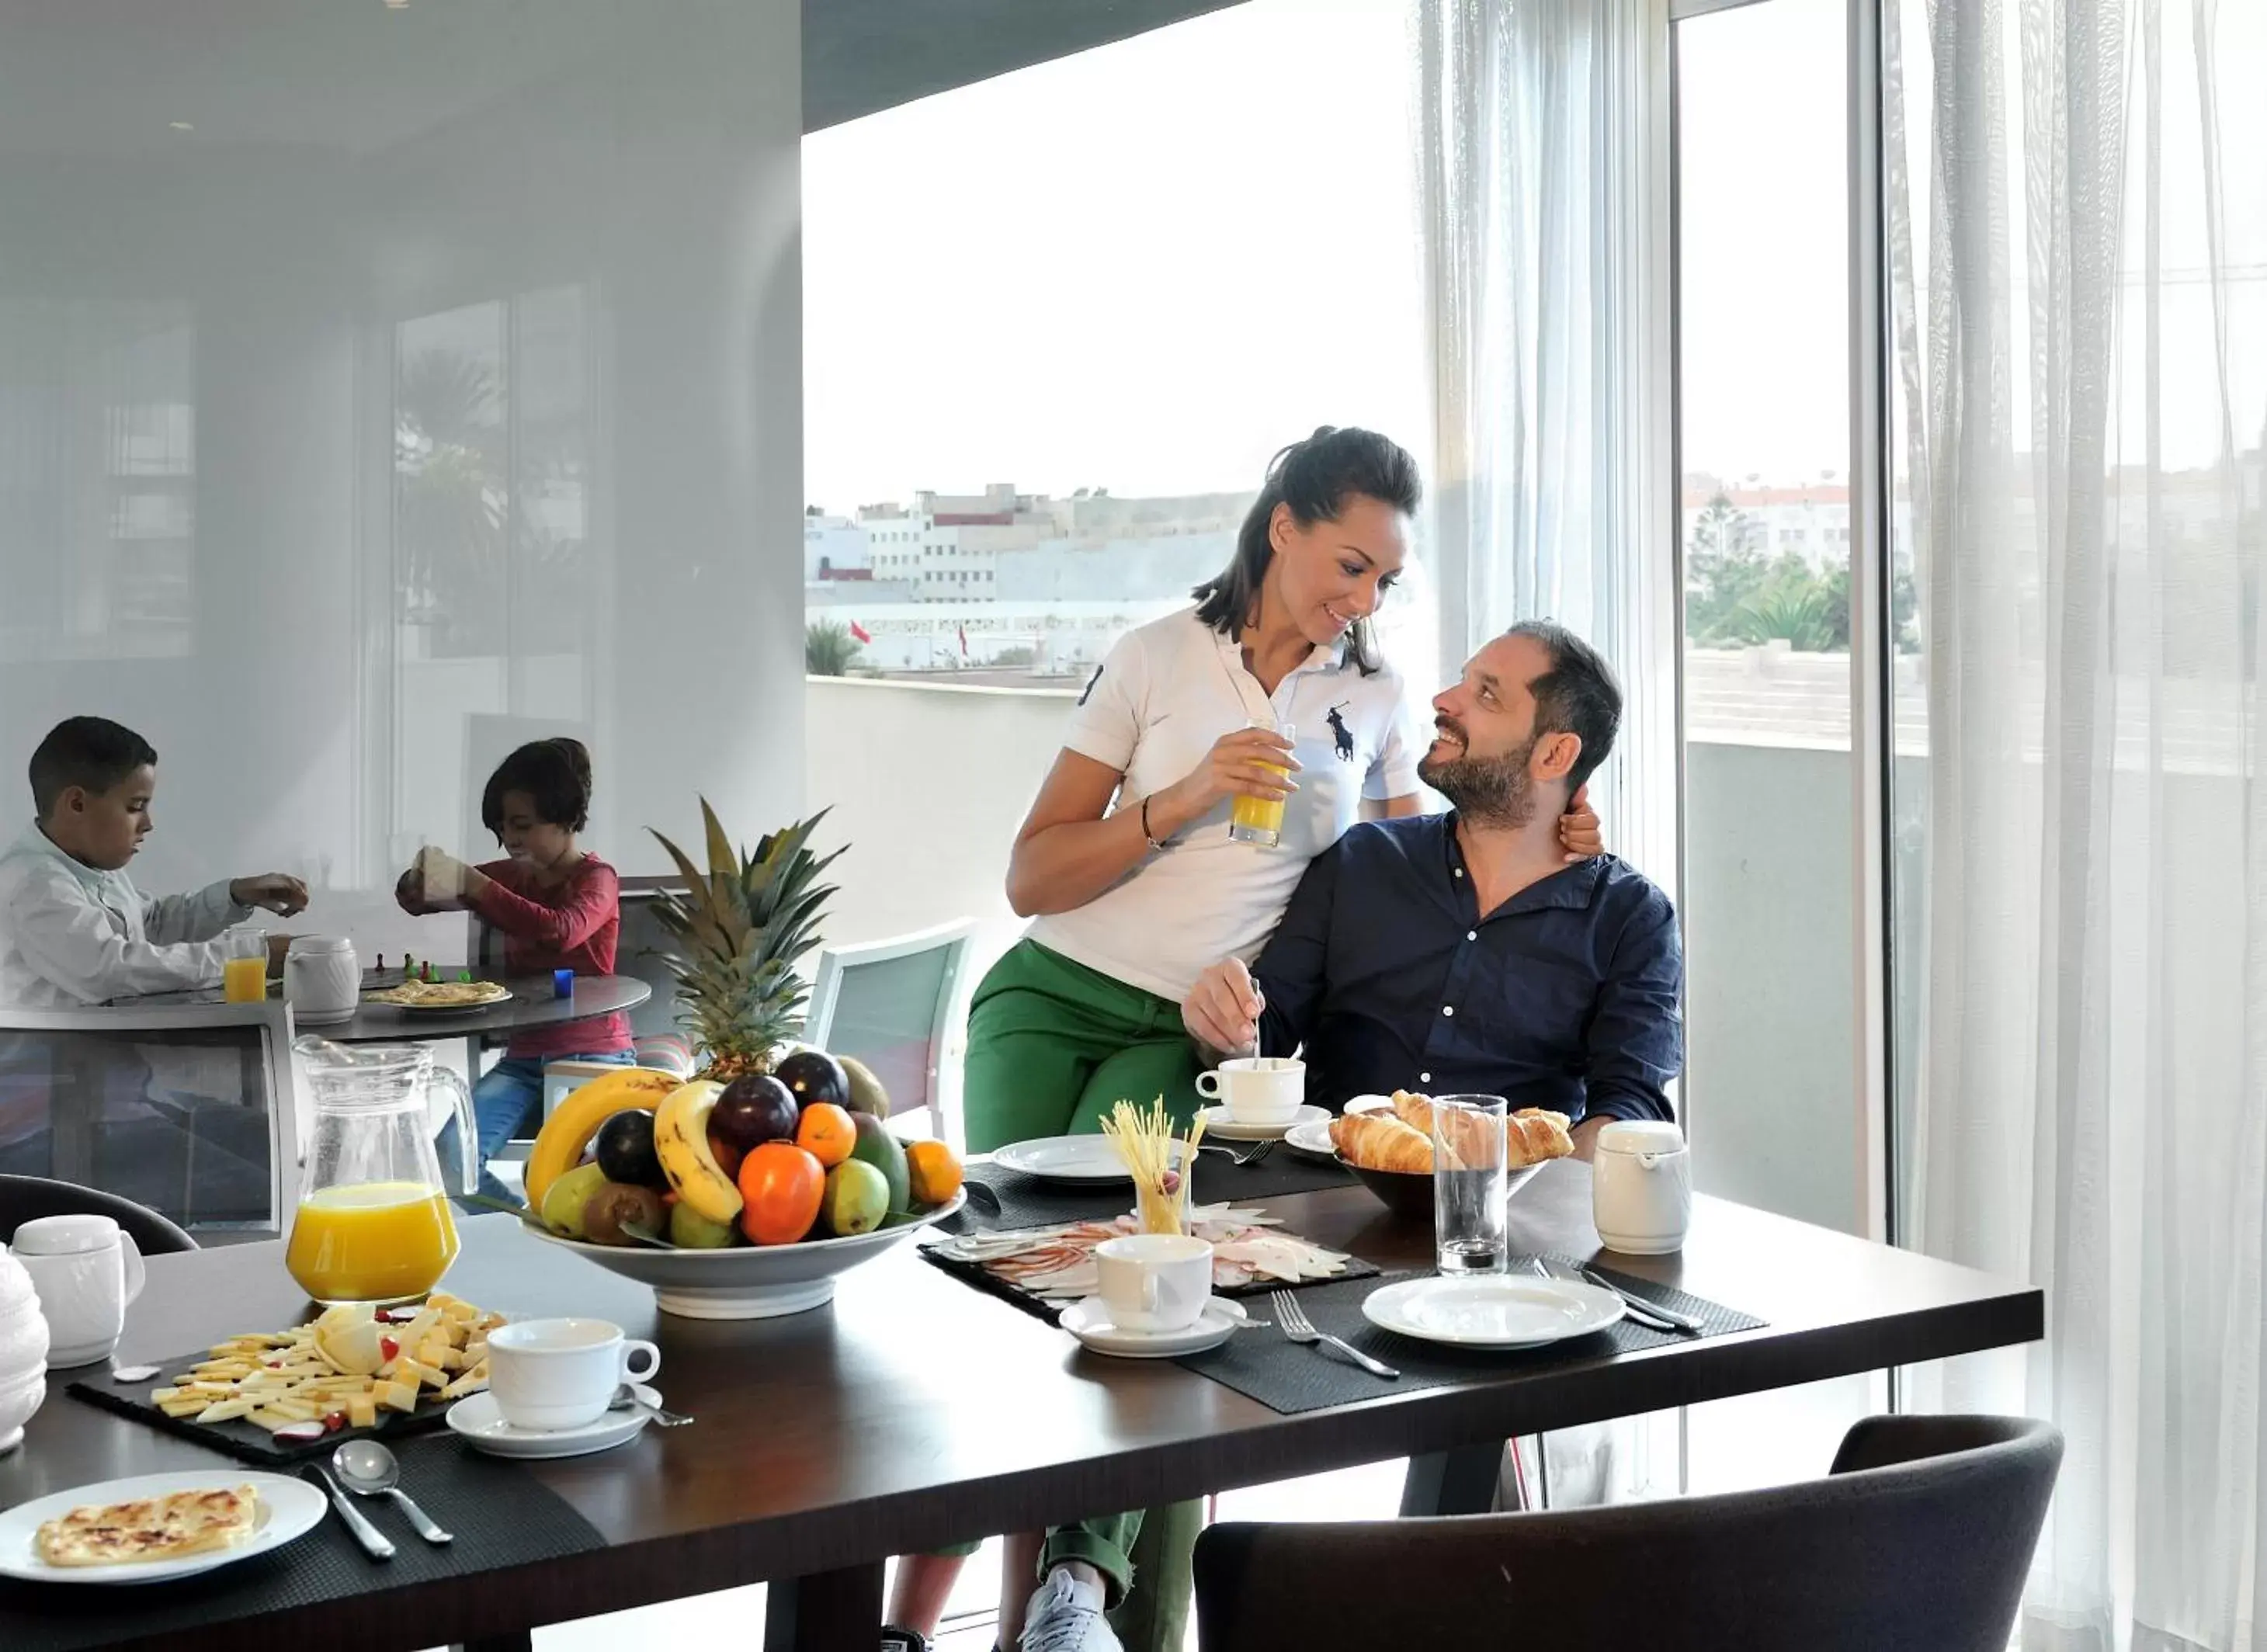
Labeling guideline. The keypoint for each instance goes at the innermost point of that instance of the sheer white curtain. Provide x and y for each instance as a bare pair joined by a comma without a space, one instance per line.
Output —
2078,237
1544,154
1543,148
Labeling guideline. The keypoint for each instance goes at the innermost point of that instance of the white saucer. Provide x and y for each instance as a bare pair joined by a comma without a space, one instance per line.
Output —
1089,1320
1311,1135
476,1419
288,1507
1492,1311
1216,1122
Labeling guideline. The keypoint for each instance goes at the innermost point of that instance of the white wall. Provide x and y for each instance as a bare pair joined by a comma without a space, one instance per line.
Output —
600,200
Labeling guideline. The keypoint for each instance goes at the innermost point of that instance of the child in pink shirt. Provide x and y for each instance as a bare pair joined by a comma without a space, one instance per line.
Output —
557,908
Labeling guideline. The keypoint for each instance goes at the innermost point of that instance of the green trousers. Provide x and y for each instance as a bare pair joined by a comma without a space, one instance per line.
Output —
1053,1046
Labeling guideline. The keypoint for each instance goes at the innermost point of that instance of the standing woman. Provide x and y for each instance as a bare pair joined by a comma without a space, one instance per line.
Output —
1125,866
1125,862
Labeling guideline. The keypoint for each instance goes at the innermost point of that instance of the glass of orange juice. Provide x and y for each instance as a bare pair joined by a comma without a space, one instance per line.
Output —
1260,819
243,965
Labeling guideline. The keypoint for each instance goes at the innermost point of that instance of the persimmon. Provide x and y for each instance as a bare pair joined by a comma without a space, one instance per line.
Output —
782,1184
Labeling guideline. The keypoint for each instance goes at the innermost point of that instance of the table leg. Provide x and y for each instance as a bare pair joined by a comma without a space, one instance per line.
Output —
827,1611
1458,1482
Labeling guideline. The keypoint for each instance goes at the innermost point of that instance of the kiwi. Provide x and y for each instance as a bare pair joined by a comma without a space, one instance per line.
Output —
616,1203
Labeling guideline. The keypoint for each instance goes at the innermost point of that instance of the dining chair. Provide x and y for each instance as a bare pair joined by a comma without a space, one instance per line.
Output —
1920,1536
889,1004
28,1198
191,1111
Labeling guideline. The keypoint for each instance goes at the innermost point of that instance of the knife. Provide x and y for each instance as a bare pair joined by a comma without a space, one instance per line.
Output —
373,1540
1647,1313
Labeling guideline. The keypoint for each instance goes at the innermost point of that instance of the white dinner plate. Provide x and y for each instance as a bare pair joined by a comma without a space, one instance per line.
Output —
1089,1320
288,1508
1492,1311
1071,1158
1216,1122
1311,1135
476,1419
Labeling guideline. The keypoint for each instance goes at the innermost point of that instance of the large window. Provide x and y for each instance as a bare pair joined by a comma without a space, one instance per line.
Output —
1054,331
1763,330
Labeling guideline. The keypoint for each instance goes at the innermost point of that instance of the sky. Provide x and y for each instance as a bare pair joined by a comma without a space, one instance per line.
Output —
1147,267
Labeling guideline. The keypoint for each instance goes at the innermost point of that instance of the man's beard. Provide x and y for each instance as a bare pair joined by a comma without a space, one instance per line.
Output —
1490,791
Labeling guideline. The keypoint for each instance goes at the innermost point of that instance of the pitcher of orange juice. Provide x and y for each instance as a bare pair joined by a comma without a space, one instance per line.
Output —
373,1223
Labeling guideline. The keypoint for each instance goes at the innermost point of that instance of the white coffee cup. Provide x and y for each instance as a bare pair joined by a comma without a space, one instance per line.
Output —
1258,1088
555,1374
87,1268
1154,1282
1642,1186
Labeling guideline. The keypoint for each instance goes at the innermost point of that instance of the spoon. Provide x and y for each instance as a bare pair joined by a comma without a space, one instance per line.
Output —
369,1470
625,1398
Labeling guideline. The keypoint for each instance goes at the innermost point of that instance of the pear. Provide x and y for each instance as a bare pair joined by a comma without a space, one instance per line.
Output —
564,1200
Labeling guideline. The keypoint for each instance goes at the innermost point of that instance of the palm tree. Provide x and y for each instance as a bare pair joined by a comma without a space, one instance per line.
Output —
828,648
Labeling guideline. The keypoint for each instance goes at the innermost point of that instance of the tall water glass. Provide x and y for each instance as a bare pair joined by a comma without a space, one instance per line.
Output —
1469,1190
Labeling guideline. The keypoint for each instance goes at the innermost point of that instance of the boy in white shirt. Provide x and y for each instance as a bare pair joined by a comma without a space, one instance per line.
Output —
73,929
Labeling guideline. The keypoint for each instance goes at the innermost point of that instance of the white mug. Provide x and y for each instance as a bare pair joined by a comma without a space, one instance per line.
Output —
560,1373
87,1268
322,978
1258,1088
1641,1187
1154,1282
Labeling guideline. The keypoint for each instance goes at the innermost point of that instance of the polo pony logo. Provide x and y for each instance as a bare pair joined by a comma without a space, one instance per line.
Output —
1339,732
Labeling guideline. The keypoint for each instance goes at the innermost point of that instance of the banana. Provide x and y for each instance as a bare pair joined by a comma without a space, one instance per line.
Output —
568,1131
681,1137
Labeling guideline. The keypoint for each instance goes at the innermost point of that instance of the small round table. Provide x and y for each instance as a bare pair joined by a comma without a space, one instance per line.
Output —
533,1003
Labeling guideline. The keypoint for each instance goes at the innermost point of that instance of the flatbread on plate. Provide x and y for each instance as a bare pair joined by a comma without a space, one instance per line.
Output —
167,1528
442,994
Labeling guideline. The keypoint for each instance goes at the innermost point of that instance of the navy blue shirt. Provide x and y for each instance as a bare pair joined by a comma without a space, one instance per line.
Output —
1567,996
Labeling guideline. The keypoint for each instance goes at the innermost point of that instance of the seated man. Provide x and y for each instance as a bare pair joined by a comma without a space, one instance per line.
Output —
1459,953
1450,954
73,928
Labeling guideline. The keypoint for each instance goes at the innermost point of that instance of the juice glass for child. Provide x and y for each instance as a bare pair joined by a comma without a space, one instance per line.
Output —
244,966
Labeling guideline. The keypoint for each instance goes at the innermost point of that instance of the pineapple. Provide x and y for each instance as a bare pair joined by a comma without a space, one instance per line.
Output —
737,932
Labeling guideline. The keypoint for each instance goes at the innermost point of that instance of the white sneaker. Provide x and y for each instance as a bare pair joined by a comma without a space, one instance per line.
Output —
1066,1616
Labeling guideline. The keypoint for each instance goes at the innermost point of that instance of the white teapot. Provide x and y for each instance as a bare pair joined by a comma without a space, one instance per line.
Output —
23,1351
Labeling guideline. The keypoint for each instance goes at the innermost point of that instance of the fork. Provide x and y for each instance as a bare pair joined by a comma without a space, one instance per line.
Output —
1291,1320
1249,1156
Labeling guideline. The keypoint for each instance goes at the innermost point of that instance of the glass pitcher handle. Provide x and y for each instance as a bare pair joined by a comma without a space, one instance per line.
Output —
468,1132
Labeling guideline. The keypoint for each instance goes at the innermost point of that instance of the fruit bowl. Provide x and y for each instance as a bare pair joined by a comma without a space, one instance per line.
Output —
758,1282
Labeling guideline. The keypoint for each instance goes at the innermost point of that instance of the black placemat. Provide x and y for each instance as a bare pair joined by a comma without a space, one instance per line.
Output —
501,1516
1030,1201
1048,1308
1288,1376
243,1439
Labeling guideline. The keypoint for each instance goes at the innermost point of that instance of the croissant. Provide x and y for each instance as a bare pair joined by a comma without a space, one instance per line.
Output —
1414,1110
1533,1134
1377,1142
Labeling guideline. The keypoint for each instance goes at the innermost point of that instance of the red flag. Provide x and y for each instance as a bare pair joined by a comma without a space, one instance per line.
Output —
860,632
964,642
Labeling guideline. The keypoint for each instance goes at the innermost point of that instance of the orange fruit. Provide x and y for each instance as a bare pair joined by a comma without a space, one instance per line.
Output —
934,1170
782,1186
828,1133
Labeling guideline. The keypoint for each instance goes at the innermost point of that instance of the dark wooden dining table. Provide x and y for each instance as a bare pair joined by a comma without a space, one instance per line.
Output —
915,1410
